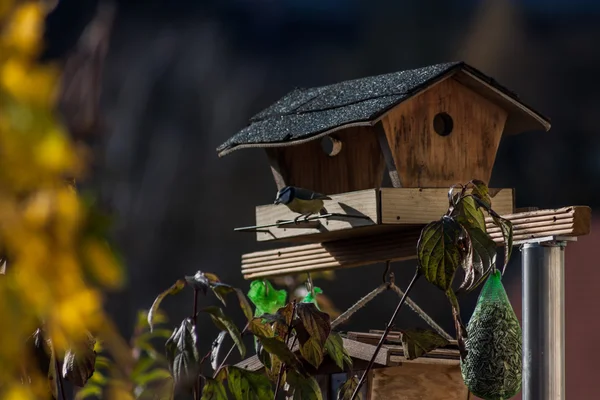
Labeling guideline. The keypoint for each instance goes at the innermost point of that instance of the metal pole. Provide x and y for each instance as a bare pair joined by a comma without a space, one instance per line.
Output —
543,321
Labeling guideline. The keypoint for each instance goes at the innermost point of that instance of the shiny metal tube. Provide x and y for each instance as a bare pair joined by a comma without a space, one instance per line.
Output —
543,321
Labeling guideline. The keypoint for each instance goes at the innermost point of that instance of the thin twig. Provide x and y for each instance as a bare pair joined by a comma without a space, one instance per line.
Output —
58,376
287,340
388,328
304,220
195,317
229,353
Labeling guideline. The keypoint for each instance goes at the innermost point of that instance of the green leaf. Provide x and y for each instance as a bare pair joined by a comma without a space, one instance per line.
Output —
469,214
89,391
159,317
247,385
304,388
347,389
221,290
225,323
416,342
482,193
438,251
161,387
279,349
480,261
79,362
154,375
260,328
142,365
213,390
182,354
174,289
265,298
215,348
202,281
283,320
102,362
317,325
507,233
334,346
461,330
244,304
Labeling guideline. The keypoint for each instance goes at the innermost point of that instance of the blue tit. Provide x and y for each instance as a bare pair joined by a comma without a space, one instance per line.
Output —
301,201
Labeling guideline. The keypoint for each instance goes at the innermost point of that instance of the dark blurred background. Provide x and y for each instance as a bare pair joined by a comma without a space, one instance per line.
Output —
156,86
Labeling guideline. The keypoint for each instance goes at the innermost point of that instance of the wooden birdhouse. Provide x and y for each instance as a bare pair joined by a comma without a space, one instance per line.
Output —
430,127
386,149
426,128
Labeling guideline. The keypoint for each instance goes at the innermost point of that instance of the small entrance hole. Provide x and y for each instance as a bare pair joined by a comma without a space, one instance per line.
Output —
331,146
443,124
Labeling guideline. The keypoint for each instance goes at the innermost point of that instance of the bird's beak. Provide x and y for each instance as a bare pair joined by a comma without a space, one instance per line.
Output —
277,201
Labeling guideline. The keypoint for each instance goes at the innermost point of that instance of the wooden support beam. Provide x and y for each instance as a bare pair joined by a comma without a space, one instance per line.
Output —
400,244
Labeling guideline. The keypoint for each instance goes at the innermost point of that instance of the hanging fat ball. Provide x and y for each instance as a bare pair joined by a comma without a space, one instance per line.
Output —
302,201
492,368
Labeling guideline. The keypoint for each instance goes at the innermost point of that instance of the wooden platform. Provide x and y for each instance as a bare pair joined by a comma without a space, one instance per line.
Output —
399,243
366,212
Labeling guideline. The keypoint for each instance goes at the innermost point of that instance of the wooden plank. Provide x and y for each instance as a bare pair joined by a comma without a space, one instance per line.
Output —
400,244
385,206
387,155
276,170
345,253
412,381
359,165
566,221
425,158
421,206
360,203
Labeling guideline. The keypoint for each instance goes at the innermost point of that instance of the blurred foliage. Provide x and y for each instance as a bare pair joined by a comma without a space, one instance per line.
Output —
56,261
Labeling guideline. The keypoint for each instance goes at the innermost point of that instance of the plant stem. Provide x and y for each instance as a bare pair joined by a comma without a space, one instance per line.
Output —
385,334
229,353
287,341
195,317
59,383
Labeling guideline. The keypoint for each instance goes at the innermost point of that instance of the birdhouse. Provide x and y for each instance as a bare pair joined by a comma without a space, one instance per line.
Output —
435,376
429,127
426,129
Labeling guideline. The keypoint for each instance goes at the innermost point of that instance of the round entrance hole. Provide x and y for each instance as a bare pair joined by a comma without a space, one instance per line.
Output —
443,124
331,146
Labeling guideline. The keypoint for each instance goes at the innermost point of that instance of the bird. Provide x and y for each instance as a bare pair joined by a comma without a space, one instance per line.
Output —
302,201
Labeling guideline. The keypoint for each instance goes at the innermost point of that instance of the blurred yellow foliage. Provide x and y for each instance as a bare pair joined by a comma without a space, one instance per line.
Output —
44,224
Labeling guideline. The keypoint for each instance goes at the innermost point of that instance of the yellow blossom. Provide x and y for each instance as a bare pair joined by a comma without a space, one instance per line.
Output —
26,27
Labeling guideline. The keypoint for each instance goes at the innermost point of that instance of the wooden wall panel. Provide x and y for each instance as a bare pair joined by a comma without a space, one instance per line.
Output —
412,381
424,158
360,164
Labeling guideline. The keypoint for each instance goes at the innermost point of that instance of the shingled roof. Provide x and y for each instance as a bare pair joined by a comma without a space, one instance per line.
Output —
306,114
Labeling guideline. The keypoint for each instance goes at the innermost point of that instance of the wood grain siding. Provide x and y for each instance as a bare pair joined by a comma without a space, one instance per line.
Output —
359,165
426,159
411,381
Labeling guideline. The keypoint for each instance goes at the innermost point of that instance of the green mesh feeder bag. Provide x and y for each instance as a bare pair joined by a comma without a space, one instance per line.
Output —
492,367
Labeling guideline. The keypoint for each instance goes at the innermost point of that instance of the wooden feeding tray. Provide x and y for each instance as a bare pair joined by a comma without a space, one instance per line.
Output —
364,212
400,245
